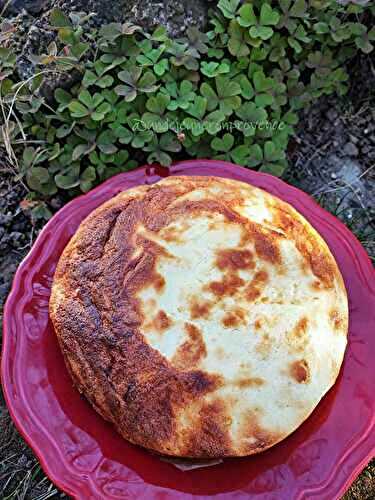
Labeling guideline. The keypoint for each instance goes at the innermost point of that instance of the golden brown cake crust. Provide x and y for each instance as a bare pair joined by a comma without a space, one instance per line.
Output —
98,317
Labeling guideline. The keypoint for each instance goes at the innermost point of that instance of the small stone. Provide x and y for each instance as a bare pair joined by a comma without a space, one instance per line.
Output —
332,114
16,6
22,461
18,226
354,139
56,203
16,237
351,149
4,289
5,219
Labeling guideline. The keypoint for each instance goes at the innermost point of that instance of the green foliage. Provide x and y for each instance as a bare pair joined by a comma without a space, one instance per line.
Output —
71,49
232,93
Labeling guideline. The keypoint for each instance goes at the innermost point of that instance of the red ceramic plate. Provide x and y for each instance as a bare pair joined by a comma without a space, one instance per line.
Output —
87,459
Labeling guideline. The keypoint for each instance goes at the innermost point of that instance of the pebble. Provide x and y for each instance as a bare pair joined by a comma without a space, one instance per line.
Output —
353,139
5,220
17,6
4,289
332,114
22,461
56,203
351,149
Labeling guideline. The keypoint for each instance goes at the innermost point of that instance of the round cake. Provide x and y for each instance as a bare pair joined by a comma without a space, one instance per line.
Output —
202,316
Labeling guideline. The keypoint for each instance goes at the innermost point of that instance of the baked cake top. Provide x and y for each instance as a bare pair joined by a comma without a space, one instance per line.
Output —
202,316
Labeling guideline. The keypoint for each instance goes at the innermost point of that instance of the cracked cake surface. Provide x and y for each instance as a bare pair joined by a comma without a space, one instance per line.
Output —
202,316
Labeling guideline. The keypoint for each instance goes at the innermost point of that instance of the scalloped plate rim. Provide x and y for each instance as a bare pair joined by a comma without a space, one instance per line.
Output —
77,479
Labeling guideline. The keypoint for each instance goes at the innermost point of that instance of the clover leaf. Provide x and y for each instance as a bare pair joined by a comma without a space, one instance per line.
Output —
161,67
89,106
279,95
69,177
113,31
160,34
155,117
87,179
321,62
197,108
338,30
215,53
136,133
223,144
122,134
213,68
59,19
273,159
7,58
141,137
213,122
101,163
277,48
182,56
263,86
254,155
106,142
82,150
225,96
63,98
159,147
363,38
292,12
228,7
247,90
90,78
247,16
181,97
150,56
196,42
240,154
252,117
239,39
39,179
259,27
135,83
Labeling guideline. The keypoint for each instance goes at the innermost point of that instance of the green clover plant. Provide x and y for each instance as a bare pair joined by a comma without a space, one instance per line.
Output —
231,93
